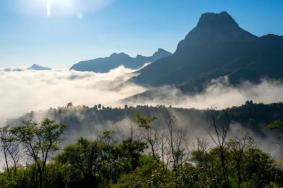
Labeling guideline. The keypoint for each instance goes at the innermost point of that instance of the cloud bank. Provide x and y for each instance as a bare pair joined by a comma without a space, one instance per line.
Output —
22,91
218,94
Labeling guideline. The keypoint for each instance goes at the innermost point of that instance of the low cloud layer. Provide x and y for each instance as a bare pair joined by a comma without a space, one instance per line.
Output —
218,94
22,91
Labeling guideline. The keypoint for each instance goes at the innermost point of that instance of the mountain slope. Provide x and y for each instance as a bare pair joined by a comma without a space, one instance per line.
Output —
115,60
217,47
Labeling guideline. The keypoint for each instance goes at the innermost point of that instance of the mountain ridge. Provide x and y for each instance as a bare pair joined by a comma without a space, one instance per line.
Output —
115,60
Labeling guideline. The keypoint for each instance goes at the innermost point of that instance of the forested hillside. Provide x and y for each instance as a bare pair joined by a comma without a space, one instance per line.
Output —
34,156
250,115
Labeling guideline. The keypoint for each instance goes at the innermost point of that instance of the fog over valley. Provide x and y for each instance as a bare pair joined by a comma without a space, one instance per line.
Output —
24,91
38,91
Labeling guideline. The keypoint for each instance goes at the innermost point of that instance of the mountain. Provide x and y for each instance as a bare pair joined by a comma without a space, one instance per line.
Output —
217,47
103,65
38,67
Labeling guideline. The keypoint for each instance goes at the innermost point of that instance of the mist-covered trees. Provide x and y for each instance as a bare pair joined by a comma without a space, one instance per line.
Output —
37,142
146,159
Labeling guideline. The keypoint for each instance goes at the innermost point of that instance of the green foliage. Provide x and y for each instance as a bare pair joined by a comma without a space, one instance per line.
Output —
257,171
150,174
38,141
257,167
145,121
97,163
278,124
106,163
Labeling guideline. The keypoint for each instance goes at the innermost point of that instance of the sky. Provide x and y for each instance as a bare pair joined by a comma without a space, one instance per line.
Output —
59,33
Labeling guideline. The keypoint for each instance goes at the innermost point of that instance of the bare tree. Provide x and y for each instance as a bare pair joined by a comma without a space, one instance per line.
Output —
219,138
202,145
176,139
162,146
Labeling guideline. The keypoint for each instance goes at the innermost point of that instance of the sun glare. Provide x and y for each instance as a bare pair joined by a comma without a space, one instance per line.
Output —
48,7
57,8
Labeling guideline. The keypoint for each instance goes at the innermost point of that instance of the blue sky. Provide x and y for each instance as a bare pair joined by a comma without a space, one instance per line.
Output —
95,28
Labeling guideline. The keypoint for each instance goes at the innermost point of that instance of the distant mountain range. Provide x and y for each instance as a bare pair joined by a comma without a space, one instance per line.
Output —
38,67
103,65
217,47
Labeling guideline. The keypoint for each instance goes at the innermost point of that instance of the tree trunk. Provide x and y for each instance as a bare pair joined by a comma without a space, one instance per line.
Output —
239,174
7,164
40,180
224,170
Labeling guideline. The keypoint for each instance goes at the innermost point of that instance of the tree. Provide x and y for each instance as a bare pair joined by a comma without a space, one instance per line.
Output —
9,148
98,164
39,141
278,126
257,168
237,148
151,134
220,125
84,160
176,142
205,166
130,151
150,174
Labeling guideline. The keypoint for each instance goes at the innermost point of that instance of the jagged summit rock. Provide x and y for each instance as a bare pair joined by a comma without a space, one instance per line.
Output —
215,28
216,20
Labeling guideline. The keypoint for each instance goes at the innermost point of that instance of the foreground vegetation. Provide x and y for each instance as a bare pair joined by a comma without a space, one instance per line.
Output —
33,158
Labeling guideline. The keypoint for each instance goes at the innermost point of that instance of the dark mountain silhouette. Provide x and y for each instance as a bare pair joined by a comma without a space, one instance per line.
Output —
217,47
38,67
103,65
